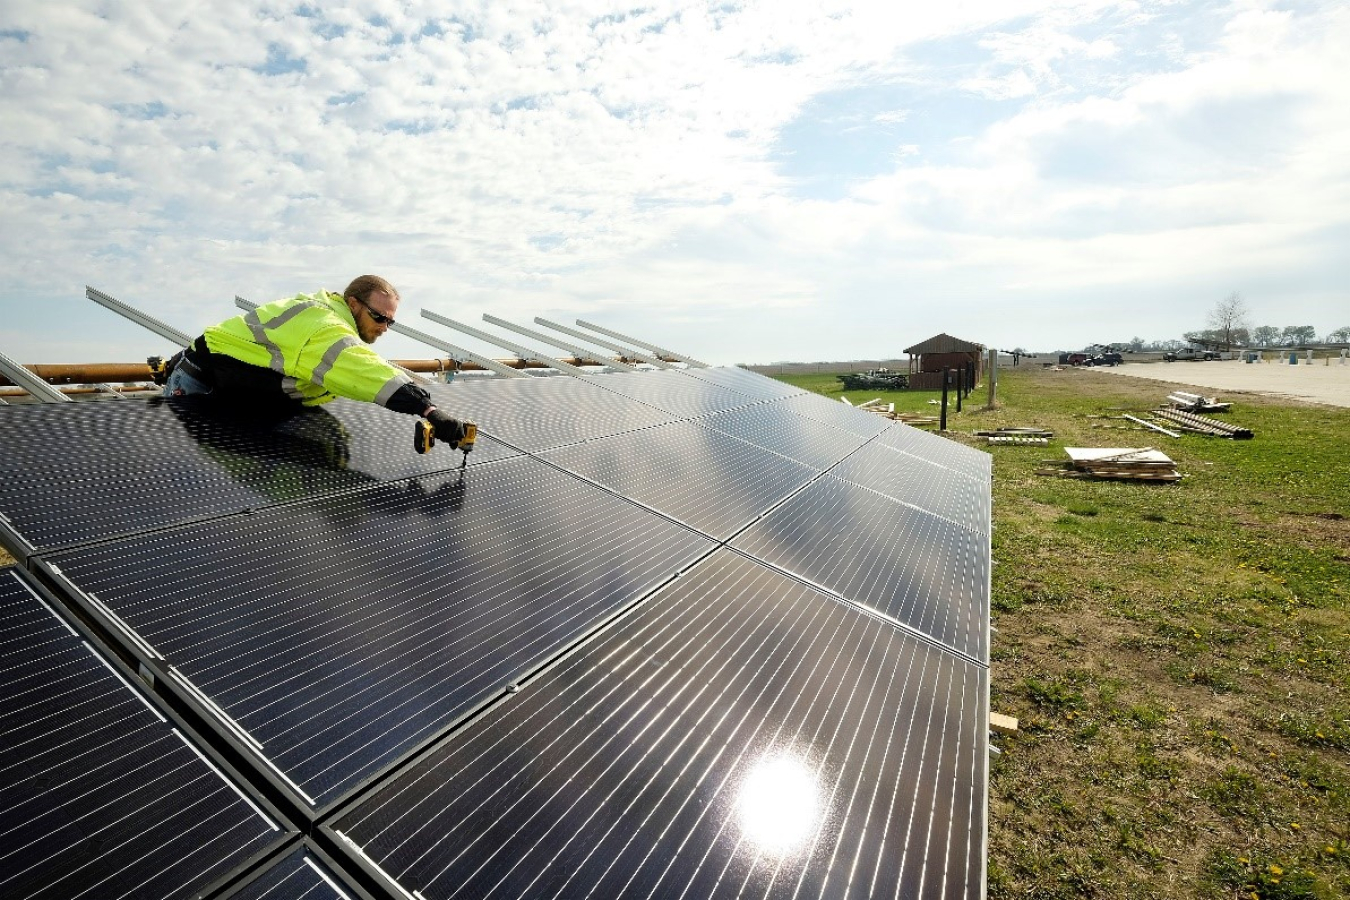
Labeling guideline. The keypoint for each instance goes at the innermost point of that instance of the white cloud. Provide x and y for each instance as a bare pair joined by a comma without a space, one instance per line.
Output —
580,155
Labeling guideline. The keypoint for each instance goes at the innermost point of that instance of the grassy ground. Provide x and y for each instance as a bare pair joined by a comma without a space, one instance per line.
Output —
1178,655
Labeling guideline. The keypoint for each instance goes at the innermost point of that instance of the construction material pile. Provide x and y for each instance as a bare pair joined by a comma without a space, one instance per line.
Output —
1130,463
1020,436
1196,403
1188,421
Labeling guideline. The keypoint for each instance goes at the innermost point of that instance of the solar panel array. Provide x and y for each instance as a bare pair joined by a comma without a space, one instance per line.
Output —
101,795
685,632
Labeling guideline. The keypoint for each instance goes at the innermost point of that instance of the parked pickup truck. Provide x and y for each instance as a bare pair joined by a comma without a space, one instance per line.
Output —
1191,353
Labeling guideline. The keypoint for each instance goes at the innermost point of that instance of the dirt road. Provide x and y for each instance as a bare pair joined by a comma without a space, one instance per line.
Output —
1317,383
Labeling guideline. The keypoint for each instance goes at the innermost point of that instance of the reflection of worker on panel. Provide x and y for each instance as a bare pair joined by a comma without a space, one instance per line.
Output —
304,351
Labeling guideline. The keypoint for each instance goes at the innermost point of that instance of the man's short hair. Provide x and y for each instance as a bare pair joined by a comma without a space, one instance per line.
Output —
362,287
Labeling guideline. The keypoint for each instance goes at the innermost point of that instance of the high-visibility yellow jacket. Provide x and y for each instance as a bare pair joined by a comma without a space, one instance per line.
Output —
311,342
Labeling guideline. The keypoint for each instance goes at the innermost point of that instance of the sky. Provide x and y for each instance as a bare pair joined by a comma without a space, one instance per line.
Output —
742,182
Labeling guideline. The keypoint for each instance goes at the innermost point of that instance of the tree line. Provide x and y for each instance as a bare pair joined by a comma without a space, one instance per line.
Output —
1229,323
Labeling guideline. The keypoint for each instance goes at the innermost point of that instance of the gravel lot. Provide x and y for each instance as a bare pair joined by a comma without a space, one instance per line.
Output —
1317,383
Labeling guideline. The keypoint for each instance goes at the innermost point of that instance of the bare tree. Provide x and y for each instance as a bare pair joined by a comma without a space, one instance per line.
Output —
1228,318
1340,336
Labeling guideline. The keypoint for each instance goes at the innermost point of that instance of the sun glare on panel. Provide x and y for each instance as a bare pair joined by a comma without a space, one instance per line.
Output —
778,805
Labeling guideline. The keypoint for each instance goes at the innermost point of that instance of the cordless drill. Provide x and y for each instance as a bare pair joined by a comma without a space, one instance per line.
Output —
424,438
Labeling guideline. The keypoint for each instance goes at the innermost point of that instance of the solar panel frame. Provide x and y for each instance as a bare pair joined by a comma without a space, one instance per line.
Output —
305,873
340,636
154,747
654,723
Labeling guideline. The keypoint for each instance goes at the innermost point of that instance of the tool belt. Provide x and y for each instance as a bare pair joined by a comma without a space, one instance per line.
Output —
192,360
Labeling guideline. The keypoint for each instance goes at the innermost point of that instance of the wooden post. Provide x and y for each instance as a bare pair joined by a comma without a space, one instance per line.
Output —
960,387
946,378
993,375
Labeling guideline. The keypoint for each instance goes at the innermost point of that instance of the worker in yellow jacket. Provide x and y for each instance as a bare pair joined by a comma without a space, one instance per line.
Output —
304,351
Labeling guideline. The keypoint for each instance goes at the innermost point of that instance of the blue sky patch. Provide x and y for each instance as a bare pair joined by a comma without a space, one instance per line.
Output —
842,137
280,62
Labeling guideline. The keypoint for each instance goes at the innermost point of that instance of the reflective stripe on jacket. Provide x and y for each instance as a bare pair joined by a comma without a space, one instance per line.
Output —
312,342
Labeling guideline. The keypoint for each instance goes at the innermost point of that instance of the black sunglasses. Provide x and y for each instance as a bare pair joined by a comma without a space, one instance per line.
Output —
379,317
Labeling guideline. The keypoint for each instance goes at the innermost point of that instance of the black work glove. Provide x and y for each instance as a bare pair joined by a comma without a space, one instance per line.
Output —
447,429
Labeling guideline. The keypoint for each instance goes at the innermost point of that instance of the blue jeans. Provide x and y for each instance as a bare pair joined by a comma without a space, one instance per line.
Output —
181,384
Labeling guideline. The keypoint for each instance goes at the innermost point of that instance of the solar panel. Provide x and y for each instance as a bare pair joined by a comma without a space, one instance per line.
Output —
704,478
543,413
101,795
304,874
744,381
563,671
674,392
78,472
774,428
838,415
339,634
925,571
739,735
937,449
928,485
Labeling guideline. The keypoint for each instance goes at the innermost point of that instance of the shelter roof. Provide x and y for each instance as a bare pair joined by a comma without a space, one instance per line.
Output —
944,343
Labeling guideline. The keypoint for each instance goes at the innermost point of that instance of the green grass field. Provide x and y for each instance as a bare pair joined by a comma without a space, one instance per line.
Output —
1178,655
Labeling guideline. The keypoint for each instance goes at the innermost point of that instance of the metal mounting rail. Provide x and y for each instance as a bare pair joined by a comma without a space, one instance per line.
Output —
167,332
581,353
617,348
524,353
458,354
39,389
679,357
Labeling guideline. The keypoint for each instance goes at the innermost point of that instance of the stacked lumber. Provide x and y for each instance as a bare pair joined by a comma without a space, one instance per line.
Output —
1203,424
1143,463
1021,436
1013,439
1195,402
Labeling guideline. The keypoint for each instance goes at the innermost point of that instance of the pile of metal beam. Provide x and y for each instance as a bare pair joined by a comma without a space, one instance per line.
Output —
1188,421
